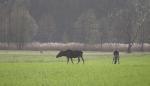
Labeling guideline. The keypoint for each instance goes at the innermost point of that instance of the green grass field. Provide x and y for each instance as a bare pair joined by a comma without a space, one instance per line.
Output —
30,68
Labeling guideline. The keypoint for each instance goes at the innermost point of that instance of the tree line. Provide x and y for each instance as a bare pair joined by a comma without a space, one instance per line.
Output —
83,21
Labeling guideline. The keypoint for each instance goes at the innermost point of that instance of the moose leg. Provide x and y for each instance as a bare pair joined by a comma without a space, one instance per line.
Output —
67,60
113,60
78,60
82,59
72,60
118,60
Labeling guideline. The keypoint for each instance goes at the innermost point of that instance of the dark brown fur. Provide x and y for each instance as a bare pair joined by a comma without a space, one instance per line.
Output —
116,57
71,54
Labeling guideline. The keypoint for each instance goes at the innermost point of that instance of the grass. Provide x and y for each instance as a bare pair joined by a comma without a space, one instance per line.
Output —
30,68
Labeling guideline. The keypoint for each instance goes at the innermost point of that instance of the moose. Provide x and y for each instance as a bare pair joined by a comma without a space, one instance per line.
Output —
116,57
70,54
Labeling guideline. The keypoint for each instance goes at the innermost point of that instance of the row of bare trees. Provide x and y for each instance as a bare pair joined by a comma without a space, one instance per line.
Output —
86,21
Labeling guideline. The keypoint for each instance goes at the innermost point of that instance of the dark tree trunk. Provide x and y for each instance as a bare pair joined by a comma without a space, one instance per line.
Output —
20,46
142,47
142,40
129,48
101,43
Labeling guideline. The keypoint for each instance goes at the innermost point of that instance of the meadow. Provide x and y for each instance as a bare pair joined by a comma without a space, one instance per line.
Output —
31,68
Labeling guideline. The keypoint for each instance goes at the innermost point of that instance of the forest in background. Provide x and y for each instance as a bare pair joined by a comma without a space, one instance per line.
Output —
79,21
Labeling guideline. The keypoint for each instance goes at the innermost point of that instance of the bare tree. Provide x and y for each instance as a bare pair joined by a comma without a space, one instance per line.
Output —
23,26
86,27
142,10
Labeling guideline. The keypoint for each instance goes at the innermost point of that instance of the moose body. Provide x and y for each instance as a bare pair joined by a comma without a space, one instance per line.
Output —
116,57
70,54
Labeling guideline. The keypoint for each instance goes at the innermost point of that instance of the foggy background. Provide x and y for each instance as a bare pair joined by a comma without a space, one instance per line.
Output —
76,21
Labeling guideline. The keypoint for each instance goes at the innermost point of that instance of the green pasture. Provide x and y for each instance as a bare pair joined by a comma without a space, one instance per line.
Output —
31,68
